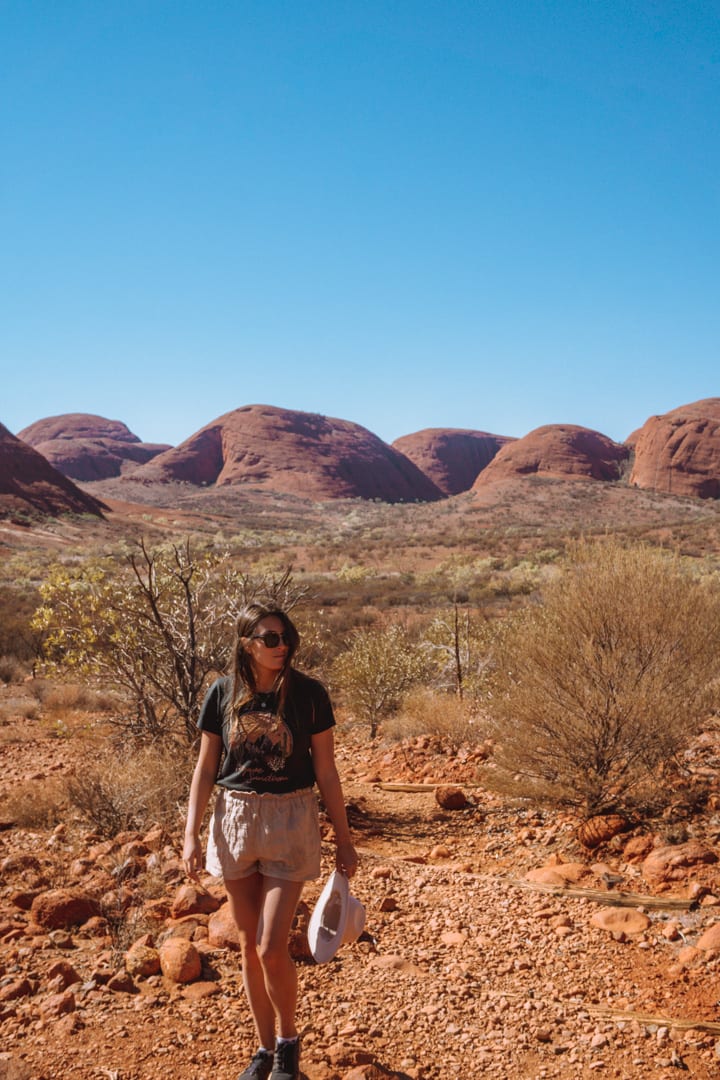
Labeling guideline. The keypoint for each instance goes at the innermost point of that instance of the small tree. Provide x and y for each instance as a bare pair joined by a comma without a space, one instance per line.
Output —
596,690
156,628
377,670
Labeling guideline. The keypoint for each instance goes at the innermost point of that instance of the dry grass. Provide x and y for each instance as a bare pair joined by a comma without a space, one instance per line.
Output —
35,804
133,790
427,712
12,670
64,697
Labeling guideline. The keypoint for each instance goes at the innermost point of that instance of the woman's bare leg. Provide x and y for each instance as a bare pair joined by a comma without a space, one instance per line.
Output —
245,897
269,974
279,905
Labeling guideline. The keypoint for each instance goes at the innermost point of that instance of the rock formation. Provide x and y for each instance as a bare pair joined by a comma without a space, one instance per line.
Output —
29,483
300,453
563,450
679,451
87,447
451,457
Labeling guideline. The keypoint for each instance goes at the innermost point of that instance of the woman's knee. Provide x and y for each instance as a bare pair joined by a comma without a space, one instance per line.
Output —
273,957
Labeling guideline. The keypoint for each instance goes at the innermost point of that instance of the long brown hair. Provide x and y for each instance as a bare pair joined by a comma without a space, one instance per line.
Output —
243,685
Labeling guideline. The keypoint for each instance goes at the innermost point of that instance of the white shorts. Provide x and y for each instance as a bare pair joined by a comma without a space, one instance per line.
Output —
277,836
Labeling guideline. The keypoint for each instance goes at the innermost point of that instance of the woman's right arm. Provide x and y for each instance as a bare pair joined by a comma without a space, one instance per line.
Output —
203,780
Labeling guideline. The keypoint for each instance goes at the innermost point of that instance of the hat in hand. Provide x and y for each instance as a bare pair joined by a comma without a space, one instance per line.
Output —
338,919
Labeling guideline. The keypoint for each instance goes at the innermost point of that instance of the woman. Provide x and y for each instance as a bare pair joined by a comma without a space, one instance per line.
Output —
266,738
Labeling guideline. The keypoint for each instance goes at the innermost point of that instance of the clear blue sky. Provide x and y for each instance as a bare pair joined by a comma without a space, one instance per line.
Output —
404,213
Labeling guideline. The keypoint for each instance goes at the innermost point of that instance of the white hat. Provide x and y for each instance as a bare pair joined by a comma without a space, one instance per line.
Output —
338,919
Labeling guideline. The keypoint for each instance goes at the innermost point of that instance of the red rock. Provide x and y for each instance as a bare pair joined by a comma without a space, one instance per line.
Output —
179,960
450,798
679,451
545,875
87,447
58,1004
29,484
222,931
142,960
121,983
65,971
675,861
18,989
451,457
598,830
305,454
564,450
63,907
192,899
710,938
198,990
620,920
637,848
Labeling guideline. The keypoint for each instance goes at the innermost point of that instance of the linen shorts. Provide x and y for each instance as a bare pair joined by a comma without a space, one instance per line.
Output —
275,835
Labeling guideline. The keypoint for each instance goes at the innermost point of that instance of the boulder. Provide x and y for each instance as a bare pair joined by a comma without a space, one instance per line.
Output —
450,798
193,900
222,931
62,908
675,861
618,921
180,961
601,828
709,940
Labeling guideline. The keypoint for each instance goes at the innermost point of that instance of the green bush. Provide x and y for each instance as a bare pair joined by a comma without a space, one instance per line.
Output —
378,669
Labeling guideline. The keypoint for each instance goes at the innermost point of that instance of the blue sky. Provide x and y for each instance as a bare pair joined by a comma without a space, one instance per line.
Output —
407,214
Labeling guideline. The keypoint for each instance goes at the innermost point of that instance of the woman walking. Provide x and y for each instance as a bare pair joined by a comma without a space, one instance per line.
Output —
266,739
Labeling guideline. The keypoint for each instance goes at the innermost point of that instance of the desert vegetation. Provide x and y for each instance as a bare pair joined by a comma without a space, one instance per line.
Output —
588,663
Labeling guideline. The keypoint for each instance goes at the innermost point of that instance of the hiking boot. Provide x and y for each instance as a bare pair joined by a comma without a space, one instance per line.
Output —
286,1064
259,1068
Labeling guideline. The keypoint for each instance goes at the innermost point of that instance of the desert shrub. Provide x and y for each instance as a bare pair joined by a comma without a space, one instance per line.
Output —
429,712
12,670
19,708
156,628
596,690
17,637
121,790
62,697
377,670
32,804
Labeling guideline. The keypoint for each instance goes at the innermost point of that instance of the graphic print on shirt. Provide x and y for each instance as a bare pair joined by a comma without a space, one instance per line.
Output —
259,743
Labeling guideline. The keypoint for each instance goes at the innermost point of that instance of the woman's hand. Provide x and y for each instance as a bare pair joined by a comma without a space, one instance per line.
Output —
192,856
346,858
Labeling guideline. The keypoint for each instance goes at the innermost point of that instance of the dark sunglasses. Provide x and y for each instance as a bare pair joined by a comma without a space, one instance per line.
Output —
271,639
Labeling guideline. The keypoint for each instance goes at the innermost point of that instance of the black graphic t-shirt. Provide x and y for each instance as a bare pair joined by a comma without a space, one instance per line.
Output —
265,752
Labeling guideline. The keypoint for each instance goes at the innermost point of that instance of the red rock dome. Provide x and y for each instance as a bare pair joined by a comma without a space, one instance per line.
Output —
87,447
557,450
679,451
301,453
451,457
29,483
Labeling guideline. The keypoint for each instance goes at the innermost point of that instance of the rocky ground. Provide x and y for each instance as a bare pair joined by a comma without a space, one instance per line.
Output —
496,944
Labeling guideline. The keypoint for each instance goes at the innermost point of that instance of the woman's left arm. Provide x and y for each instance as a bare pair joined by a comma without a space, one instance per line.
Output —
328,781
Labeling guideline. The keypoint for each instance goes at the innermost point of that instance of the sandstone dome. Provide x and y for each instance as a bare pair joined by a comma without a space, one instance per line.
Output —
451,457
561,450
87,447
678,452
300,453
29,483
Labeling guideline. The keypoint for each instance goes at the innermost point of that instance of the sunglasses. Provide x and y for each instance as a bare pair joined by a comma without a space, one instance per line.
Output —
271,639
